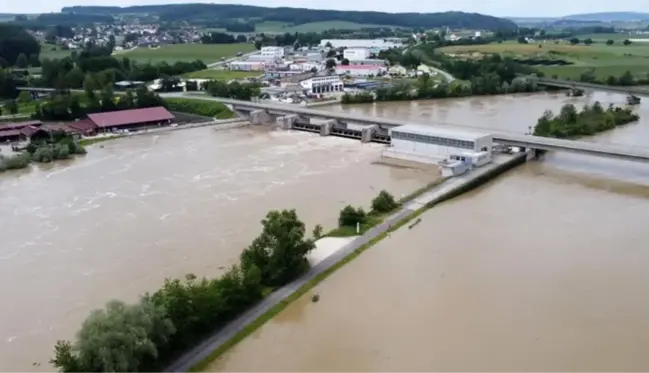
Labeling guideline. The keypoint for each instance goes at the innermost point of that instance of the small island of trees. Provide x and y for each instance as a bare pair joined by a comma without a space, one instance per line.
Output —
571,123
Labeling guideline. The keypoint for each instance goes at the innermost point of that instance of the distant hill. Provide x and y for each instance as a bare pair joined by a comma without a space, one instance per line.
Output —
609,17
298,16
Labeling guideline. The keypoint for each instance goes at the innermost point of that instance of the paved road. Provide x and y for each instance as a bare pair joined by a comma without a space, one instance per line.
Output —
200,352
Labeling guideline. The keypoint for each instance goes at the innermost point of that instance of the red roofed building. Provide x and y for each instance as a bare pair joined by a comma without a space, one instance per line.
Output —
133,118
85,127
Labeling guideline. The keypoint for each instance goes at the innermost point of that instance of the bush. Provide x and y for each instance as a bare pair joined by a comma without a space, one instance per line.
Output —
350,216
384,203
14,162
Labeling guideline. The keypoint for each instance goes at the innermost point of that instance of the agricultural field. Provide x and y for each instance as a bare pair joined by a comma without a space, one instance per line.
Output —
207,53
216,74
280,27
604,59
51,51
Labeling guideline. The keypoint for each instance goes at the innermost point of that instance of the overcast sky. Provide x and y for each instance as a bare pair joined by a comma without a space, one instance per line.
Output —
520,8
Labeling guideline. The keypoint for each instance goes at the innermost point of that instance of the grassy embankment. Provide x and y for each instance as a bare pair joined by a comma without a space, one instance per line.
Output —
605,60
204,108
208,53
261,320
51,51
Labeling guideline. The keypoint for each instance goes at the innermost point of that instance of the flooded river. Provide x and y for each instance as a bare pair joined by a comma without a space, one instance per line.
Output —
116,222
543,269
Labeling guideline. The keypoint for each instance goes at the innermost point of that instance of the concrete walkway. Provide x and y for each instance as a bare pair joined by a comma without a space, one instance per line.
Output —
203,350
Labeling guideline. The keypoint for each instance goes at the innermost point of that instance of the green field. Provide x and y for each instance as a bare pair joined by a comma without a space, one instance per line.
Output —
281,27
207,53
604,59
51,51
222,74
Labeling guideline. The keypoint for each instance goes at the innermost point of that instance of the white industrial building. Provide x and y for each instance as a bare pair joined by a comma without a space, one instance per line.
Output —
372,44
452,149
247,65
274,52
322,84
361,70
356,54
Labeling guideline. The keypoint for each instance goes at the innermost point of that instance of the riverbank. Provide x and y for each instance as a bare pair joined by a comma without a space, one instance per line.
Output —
202,355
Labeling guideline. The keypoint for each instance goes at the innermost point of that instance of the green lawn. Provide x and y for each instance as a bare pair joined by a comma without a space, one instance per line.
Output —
270,26
604,59
51,51
222,74
208,53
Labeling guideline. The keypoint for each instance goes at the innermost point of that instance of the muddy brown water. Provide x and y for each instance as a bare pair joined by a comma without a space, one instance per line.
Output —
542,269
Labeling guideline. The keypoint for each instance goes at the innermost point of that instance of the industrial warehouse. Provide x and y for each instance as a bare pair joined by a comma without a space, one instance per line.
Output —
455,151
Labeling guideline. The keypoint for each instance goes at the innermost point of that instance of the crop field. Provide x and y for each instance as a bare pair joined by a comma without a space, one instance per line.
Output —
222,74
207,53
281,27
604,59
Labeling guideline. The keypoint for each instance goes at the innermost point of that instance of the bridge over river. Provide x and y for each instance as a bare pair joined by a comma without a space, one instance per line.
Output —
288,115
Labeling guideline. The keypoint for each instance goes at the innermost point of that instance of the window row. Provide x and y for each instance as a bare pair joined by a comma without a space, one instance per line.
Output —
435,140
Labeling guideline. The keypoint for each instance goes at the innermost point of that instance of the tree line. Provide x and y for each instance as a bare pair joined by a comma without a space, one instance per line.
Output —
15,41
144,336
96,65
571,123
66,106
234,90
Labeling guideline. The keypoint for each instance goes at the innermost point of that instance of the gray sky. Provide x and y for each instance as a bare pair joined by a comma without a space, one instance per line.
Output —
521,8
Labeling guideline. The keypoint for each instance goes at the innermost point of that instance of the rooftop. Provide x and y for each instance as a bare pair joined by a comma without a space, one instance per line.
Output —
357,67
450,133
133,116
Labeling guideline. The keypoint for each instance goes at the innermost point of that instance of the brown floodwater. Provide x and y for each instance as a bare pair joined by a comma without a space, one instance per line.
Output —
115,223
542,269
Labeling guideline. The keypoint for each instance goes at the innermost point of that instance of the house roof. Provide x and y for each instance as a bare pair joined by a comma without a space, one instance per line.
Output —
437,131
19,125
59,127
9,133
29,130
84,125
133,116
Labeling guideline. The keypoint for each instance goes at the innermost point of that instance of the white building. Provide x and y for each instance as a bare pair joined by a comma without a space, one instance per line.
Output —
247,65
356,54
322,84
274,52
306,66
433,144
360,70
372,44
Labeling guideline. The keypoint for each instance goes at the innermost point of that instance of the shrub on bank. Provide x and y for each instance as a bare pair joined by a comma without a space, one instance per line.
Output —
14,162
350,216
146,335
205,108
570,123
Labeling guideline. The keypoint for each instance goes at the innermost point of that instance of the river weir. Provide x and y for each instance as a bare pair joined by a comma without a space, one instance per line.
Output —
541,269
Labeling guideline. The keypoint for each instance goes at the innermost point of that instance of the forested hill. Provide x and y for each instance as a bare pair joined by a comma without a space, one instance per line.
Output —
296,16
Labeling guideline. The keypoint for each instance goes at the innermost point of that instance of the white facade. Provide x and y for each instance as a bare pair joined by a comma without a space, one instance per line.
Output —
360,70
306,66
247,65
356,54
375,44
431,145
274,52
322,84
